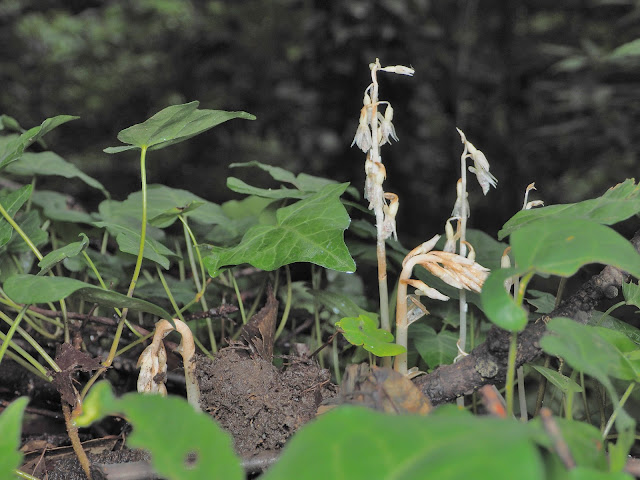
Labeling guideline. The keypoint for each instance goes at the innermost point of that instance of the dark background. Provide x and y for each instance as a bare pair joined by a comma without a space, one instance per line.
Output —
532,83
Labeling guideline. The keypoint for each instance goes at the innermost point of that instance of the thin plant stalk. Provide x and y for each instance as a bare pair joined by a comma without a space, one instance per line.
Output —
513,349
614,415
15,326
190,242
287,306
172,300
134,279
238,296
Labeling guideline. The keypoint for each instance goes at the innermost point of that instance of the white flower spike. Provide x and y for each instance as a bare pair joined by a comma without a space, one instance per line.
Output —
480,164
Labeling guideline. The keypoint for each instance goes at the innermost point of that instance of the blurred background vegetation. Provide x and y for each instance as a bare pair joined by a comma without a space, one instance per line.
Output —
537,85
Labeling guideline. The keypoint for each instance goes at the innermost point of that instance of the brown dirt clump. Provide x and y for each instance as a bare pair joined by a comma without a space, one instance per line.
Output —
258,404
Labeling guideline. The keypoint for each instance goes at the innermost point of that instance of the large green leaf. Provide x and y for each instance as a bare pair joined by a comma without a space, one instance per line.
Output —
172,125
310,230
498,305
560,246
434,348
617,204
358,444
12,203
172,431
49,163
10,426
363,330
30,289
55,206
18,145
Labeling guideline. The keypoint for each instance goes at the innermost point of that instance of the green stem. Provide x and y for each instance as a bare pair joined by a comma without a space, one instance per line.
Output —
614,415
513,349
511,370
138,266
14,326
24,236
609,310
26,476
238,296
287,307
169,294
315,285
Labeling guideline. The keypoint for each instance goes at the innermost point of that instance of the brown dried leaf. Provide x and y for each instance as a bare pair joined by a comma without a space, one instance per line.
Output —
259,332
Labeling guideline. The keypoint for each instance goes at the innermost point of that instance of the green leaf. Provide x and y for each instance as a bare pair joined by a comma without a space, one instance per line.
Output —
128,241
498,305
172,125
564,383
56,207
358,444
310,230
71,250
238,186
617,204
12,203
363,330
21,143
590,351
561,246
629,49
10,426
171,430
596,351
434,348
543,301
631,292
31,224
303,182
585,473
168,217
341,304
584,441
49,163
31,289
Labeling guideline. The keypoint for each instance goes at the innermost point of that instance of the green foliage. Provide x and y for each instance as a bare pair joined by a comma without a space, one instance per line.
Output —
61,254
617,204
10,422
35,289
560,246
363,330
435,348
172,125
171,430
564,383
498,305
12,203
310,230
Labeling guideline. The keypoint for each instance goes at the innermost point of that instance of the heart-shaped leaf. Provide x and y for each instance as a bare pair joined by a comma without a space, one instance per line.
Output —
172,125
181,436
363,330
310,230
434,348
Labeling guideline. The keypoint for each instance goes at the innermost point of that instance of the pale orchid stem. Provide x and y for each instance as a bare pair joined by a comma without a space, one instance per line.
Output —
402,325
462,339
187,349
